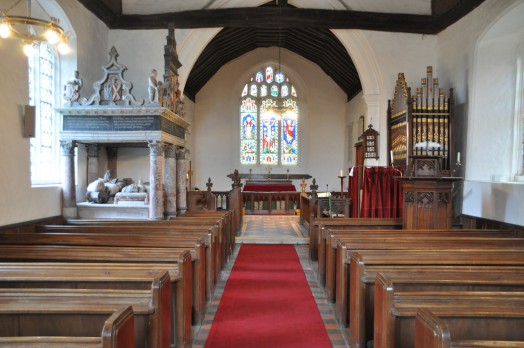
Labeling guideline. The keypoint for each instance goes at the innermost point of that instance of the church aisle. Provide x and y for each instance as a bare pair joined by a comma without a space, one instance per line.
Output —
309,267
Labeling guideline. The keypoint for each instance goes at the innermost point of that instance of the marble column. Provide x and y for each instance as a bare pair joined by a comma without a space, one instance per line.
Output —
156,192
92,162
170,181
69,209
181,181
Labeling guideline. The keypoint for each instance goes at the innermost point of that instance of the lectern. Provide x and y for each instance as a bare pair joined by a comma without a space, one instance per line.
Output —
428,196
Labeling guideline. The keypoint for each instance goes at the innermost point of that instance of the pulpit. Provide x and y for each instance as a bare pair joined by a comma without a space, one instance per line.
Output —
427,195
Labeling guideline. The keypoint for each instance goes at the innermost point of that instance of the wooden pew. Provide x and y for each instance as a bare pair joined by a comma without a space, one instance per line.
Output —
118,331
175,294
163,243
496,315
440,241
432,331
82,312
201,242
337,250
104,254
228,219
436,278
209,225
363,264
386,286
319,224
328,250
212,228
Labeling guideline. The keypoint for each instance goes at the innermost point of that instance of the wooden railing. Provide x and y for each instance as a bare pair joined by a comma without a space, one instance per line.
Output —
281,202
222,199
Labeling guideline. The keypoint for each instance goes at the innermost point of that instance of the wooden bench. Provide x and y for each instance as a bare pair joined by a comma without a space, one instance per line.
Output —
213,225
173,292
202,272
104,254
338,248
337,285
319,223
481,278
364,262
214,238
480,314
432,331
228,219
328,249
82,312
118,331
201,242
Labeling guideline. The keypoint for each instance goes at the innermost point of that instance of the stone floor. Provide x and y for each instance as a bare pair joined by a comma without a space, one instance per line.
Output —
276,230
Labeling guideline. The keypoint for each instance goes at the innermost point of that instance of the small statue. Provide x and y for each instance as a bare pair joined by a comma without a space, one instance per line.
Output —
72,88
153,87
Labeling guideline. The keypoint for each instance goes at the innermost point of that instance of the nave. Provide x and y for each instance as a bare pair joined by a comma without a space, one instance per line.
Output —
258,229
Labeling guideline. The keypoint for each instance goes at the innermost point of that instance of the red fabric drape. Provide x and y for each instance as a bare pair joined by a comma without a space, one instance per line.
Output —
354,192
381,194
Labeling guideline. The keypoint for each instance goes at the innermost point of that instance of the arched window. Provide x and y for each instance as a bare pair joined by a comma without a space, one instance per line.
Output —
45,157
269,117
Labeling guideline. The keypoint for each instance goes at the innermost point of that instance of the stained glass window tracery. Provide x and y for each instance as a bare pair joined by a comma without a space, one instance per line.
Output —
269,120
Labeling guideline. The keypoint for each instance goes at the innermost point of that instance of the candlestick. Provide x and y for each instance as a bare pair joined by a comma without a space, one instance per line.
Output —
341,177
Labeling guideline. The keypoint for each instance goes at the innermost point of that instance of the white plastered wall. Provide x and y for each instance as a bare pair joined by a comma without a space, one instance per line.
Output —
477,56
19,200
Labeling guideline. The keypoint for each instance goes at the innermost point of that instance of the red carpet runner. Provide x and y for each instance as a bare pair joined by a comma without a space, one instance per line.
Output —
267,303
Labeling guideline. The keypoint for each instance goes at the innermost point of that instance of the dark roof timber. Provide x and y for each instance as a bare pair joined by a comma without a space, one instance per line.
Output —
303,31
448,12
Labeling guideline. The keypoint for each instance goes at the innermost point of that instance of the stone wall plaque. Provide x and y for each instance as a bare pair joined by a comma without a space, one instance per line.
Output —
126,123
111,123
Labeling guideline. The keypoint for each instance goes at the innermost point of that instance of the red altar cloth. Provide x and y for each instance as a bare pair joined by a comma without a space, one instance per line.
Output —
269,186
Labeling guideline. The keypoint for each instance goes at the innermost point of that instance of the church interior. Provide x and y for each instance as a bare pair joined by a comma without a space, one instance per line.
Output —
155,142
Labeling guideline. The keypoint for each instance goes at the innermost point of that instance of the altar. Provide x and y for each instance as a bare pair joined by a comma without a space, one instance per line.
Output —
271,193
269,186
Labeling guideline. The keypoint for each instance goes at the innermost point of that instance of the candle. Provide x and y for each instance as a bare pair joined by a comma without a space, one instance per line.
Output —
391,155
341,172
458,157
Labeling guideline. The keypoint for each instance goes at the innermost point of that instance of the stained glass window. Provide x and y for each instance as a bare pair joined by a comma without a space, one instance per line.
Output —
44,146
269,120
248,131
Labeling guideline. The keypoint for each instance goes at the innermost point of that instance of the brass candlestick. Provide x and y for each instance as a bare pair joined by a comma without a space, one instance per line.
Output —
342,185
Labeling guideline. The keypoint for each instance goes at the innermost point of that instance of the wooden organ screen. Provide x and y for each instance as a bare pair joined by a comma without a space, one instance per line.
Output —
422,124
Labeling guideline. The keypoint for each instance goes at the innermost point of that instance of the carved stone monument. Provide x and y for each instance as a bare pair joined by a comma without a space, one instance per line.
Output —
112,117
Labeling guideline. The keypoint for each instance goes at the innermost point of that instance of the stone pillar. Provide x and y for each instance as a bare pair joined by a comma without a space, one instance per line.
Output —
181,181
156,192
69,209
170,182
92,162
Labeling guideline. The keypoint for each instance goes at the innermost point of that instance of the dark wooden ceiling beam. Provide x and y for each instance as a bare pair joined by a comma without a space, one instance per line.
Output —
106,10
264,17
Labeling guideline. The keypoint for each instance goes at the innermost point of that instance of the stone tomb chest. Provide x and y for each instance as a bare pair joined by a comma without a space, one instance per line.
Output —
113,118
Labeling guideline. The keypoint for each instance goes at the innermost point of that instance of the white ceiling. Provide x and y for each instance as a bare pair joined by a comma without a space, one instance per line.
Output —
421,7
